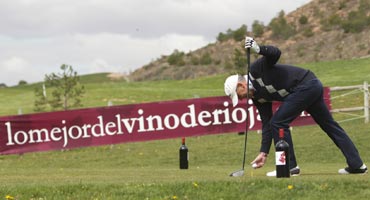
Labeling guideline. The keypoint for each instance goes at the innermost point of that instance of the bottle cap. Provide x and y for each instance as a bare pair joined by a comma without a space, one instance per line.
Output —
183,140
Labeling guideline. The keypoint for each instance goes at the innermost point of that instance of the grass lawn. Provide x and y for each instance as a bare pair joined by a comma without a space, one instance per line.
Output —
149,170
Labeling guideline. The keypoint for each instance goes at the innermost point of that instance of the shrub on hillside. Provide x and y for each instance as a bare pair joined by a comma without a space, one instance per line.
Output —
280,27
307,32
206,59
330,23
222,37
237,35
239,61
194,60
257,28
303,20
176,58
356,22
240,33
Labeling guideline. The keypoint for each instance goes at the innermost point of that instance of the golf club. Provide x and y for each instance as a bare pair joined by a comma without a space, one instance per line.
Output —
241,172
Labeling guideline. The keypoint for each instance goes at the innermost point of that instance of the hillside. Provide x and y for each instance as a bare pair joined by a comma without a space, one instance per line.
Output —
322,30
329,41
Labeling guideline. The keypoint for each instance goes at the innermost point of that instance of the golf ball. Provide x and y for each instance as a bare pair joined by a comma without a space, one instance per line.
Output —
254,165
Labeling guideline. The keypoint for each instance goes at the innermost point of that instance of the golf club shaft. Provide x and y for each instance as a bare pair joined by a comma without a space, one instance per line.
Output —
246,123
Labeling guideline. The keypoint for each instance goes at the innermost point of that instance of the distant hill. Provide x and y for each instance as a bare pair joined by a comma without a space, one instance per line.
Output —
322,30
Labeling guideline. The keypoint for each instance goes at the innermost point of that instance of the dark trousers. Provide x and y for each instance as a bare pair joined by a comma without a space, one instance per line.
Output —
309,96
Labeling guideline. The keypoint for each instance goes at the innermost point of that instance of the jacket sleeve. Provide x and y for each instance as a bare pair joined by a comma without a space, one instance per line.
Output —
271,55
265,112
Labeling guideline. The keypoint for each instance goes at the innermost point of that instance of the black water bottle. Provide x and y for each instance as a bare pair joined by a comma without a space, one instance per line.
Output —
184,155
282,157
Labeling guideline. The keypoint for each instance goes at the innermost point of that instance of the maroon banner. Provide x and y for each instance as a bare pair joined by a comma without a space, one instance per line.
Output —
129,123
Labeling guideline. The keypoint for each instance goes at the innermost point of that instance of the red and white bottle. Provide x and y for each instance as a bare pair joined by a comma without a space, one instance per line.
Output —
282,157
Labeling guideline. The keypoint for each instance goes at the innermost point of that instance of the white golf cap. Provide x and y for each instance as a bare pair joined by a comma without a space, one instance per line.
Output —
230,88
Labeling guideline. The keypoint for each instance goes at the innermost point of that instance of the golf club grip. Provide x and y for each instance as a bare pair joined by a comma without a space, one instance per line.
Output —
248,61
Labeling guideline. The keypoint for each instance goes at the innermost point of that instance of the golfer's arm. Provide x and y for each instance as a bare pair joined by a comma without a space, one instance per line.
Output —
265,112
271,55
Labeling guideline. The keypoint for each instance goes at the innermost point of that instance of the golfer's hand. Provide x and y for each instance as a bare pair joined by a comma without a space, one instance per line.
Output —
260,160
251,44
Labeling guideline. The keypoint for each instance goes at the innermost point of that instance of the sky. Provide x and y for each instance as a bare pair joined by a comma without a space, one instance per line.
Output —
119,36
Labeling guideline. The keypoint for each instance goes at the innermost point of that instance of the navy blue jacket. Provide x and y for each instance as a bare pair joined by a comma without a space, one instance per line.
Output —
272,82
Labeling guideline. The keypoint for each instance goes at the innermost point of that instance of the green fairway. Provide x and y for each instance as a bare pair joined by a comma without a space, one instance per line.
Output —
150,170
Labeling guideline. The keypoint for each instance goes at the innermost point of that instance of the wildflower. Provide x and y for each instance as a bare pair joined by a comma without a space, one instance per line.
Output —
174,197
290,187
324,186
8,197
195,184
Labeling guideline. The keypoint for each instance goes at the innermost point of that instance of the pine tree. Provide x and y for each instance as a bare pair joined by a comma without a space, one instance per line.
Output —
66,91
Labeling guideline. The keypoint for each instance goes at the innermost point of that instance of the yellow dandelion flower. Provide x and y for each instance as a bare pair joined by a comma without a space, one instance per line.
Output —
195,184
174,197
290,187
8,197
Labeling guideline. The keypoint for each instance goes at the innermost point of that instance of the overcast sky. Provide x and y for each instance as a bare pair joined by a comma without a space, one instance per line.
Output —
38,36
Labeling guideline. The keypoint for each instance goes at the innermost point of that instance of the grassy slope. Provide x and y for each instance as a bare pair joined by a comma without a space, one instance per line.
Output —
149,170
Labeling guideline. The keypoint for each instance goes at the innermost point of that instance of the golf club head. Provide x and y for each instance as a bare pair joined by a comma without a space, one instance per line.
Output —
237,173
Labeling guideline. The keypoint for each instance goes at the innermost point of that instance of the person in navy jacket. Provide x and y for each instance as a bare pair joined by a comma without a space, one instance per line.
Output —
299,90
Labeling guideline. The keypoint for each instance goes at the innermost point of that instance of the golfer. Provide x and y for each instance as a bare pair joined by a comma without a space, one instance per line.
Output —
299,90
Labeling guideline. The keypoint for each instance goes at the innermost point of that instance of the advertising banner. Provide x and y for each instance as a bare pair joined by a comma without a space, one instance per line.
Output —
129,123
